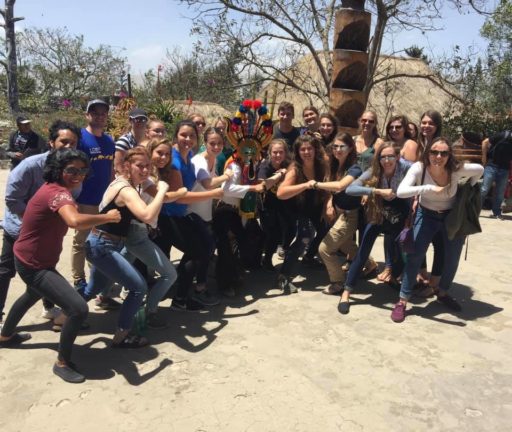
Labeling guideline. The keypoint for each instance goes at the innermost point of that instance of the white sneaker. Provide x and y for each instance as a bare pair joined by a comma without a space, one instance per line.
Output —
50,314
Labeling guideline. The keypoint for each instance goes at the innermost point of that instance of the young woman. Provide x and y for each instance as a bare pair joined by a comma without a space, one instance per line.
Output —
155,130
186,231
341,210
105,242
397,132
48,215
276,216
306,171
328,128
200,122
413,131
388,213
368,140
440,172
311,119
431,127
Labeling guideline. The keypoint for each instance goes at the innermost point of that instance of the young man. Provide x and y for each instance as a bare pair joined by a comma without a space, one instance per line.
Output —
138,121
22,183
99,147
284,129
24,142
496,158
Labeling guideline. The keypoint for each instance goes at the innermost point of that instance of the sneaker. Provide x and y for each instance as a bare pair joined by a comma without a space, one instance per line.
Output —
68,374
285,285
449,302
154,322
106,303
186,305
80,285
124,293
398,313
205,298
51,313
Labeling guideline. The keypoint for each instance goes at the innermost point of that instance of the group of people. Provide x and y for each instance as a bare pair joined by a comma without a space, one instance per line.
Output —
313,189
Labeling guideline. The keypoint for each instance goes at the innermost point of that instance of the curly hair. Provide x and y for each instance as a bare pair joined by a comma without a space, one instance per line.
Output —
57,160
337,171
58,125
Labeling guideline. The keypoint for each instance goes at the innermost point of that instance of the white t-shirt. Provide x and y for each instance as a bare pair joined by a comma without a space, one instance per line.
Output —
201,208
430,199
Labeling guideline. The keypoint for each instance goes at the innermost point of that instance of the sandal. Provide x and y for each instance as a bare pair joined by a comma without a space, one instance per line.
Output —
333,289
131,341
16,339
385,275
425,291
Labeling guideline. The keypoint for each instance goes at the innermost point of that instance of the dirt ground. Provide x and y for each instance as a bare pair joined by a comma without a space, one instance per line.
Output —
267,362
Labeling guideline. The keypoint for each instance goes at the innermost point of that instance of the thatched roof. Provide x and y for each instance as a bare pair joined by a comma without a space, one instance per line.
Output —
404,95
209,110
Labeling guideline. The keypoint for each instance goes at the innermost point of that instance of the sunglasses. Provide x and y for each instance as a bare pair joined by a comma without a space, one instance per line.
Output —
387,158
76,171
140,120
442,153
340,147
200,124
399,127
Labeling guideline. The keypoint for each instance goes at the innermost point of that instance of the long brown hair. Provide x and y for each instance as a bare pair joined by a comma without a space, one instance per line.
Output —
337,171
452,164
377,170
160,173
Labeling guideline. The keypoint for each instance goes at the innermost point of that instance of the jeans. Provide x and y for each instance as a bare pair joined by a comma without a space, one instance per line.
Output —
426,225
109,265
50,284
139,245
499,175
370,234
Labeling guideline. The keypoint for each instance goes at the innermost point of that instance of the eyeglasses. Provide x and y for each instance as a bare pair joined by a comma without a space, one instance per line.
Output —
76,171
340,147
139,120
387,158
442,153
397,127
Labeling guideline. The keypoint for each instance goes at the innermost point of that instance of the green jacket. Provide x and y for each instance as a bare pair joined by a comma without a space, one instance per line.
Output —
463,217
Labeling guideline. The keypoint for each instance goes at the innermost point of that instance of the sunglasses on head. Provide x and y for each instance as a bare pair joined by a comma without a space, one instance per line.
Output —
76,171
442,153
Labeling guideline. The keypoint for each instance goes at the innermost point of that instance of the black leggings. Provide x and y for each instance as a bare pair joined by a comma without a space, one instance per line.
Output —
50,284
189,234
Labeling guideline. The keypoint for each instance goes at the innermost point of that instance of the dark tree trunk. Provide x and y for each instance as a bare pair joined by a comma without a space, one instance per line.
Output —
10,62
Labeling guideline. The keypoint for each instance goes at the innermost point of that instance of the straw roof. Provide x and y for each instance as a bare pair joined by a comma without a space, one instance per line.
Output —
404,95
209,110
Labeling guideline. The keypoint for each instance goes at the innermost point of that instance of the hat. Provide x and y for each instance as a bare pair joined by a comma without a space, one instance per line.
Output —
22,120
96,102
138,112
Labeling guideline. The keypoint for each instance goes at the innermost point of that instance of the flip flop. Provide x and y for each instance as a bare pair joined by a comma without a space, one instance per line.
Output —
16,339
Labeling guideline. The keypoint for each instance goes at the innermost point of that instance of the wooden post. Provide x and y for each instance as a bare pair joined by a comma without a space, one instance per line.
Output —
129,86
10,63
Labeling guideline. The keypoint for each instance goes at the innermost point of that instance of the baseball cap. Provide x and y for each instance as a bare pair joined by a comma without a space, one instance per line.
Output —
22,120
138,112
96,102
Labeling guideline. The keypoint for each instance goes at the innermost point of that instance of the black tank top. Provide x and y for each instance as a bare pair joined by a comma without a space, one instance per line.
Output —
119,229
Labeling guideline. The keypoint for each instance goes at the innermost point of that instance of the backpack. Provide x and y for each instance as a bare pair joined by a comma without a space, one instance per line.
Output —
501,152
463,217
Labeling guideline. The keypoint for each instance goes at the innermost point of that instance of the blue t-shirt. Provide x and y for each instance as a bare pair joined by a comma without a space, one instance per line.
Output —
188,176
100,151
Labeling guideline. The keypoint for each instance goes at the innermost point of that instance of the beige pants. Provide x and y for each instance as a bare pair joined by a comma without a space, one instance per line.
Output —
78,250
339,238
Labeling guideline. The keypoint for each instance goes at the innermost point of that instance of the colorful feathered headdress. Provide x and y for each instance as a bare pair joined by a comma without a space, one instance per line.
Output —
250,127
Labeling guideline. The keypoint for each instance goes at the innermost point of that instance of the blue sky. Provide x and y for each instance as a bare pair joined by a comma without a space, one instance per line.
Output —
145,29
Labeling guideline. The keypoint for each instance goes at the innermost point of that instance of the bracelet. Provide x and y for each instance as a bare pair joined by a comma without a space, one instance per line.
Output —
315,185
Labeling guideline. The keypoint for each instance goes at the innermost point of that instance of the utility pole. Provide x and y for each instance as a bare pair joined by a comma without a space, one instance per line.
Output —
10,63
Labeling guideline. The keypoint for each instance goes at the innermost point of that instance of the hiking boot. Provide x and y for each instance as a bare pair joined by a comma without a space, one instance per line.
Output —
398,313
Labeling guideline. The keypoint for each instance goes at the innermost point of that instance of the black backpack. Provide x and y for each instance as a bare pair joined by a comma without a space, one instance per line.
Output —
501,152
